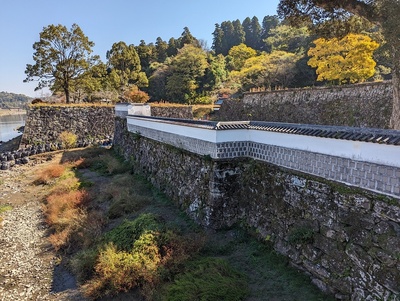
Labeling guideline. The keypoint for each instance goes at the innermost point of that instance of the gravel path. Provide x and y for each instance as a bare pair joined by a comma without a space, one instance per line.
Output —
29,267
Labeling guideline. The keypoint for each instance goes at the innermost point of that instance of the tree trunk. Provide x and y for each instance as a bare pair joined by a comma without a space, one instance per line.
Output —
395,118
66,91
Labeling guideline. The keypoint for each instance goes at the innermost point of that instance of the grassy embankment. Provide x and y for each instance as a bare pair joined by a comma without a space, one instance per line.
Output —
118,234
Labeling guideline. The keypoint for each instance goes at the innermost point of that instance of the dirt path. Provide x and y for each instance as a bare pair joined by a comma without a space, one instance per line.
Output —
28,264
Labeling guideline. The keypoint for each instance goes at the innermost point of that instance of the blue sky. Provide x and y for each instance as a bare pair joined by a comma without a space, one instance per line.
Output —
106,22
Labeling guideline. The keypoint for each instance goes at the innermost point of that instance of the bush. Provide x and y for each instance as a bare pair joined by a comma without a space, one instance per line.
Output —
47,175
125,235
208,279
106,164
68,139
118,270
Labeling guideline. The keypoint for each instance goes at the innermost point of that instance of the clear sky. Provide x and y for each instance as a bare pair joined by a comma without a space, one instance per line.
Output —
108,21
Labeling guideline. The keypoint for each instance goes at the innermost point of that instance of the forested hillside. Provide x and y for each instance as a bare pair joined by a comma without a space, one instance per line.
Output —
245,55
11,100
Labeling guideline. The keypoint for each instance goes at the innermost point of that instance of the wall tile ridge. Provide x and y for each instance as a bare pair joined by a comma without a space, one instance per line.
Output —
382,136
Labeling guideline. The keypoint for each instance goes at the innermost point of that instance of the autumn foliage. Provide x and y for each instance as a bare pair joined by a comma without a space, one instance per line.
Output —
133,94
346,60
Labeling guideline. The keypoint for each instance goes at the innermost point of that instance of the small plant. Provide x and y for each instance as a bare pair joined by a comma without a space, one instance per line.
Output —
4,208
68,139
301,235
83,264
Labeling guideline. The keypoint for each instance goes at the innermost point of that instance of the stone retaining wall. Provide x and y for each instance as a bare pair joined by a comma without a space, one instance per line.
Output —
183,112
361,105
44,124
347,239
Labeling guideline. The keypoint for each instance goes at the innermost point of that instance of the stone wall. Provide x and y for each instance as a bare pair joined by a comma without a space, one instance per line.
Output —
347,239
361,105
44,124
184,112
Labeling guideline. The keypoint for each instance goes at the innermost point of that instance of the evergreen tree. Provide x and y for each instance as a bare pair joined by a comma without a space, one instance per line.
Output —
187,38
218,38
228,34
238,36
268,23
147,55
255,41
161,50
173,46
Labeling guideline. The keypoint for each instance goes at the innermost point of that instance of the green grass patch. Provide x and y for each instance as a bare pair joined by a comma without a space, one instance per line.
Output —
208,279
4,208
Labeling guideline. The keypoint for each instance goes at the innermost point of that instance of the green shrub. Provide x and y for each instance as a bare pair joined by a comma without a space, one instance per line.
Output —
301,235
125,235
118,270
208,279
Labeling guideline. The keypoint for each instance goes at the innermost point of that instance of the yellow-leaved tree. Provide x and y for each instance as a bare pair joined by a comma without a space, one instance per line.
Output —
345,60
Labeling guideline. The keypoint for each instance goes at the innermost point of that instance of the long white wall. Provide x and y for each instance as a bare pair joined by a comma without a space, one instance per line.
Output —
355,150
367,165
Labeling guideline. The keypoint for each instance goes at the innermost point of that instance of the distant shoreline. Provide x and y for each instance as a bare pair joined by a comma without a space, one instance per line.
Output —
4,112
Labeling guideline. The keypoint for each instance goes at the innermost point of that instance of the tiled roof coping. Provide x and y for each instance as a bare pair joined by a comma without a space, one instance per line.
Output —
382,136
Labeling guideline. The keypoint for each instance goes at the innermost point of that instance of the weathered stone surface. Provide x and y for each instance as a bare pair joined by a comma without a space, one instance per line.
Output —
184,112
392,212
44,124
362,105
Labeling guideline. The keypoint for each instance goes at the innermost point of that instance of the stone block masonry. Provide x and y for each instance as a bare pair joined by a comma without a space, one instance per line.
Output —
44,124
361,105
347,239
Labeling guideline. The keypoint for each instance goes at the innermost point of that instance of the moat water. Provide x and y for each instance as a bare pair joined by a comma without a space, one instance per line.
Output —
9,125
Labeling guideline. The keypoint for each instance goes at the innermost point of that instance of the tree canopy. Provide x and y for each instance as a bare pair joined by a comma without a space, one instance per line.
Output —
344,60
61,57
245,55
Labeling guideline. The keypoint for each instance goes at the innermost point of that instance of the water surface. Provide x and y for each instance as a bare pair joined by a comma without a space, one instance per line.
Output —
8,126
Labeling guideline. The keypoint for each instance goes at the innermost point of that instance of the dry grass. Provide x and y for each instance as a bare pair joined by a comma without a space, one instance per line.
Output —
169,105
65,215
49,174
78,105
63,207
